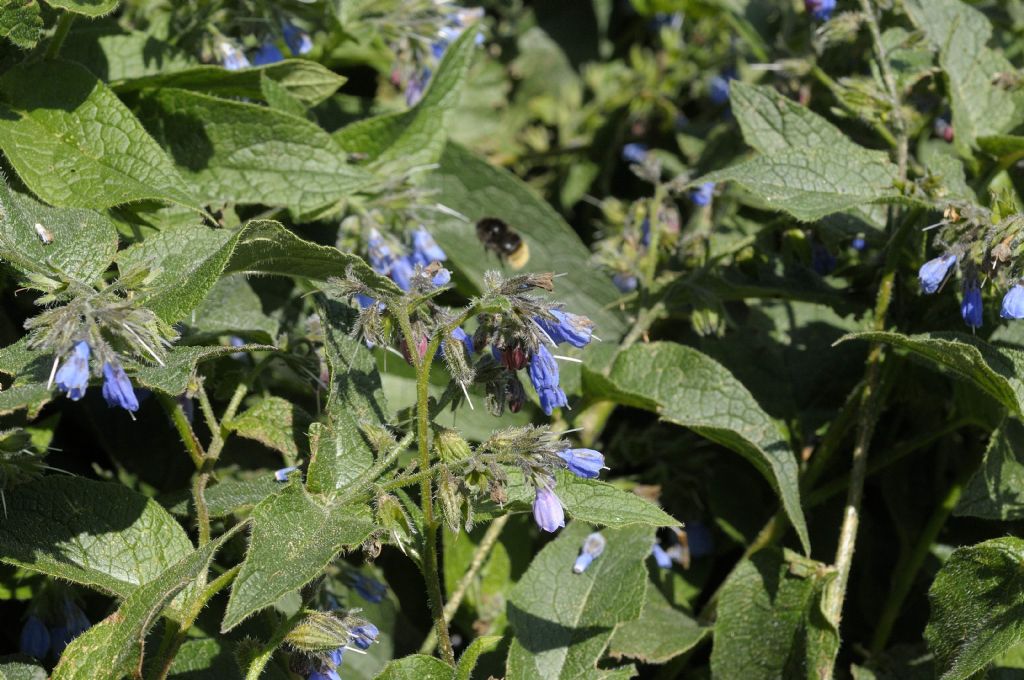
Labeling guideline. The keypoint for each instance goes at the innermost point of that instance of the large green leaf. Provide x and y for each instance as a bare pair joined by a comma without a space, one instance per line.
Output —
770,623
112,649
74,143
19,668
417,667
89,8
305,80
294,537
97,534
274,422
83,244
356,397
114,55
977,607
231,496
960,34
773,122
563,620
477,189
687,387
205,659
397,142
233,308
996,491
995,370
20,22
235,151
661,633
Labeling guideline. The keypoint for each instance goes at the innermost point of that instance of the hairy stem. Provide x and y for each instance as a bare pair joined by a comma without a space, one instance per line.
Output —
480,555
184,428
220,434
59,34
262,658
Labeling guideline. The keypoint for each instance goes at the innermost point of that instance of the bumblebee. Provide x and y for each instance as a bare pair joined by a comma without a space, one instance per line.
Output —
496,236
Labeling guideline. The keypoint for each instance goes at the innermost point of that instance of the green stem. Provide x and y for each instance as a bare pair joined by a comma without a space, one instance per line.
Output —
262,658
837,91
359,485
220,435
907,569
188,437
430,570
59,34
487,543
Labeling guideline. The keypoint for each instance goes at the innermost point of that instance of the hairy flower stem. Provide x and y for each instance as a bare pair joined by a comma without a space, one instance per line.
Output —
220,434
480,555
430,571
59,34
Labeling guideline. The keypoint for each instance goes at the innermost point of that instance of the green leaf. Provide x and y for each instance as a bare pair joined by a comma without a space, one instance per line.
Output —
89,8
688,388
205,659
20,22
417,667
19,668
770,623
468,659
1001,145
112,649
661,633
83,242
113,55
75,145
232,496
977,607
234,151
773,122
294,537
309,82
180,364
811,183
280,99
995,370
477,189
356,397
233,308
960,34
995,490
276,423
398,142
562,620
93,533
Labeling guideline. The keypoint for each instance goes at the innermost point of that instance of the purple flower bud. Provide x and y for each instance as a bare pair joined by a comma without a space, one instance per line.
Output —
35,638
933,272
593,546
544,376
625,282
401,272
379,253
821,10
298,41
645,232
267,53
117,388
364,636
547,509
859,244
943,129
282,474
661,557
73,376
442,278
369,589
567,328
425,249
634,153
718,92
702,195
465,338
1013,303
971,307
232,57
583,462
336,656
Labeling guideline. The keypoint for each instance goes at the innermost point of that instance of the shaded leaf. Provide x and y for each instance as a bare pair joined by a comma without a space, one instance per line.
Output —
231,496
233,308
20,668
688,388
468,659
276,423
996,490
661,633
75,145
417,667
977,607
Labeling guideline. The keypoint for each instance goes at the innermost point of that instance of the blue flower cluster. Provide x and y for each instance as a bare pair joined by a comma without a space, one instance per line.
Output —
72,378
821,10
934,273
561,328
702,195
361,637
369,589
547,507
456,22
37,639
297,40
400,269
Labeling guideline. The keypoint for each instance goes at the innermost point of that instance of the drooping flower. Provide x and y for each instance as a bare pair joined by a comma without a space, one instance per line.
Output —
702,195
933,272
368,588
231,57
329,671
465,338
566,327
267,53
35,638
425,249
547,508
858,243
583,462
822,261
365,635
117,388
544,376
821,10
379,253
593,546
634,153
401,272
661,557
282,474
73,376
298,41
1013,303
442,278
971,307
625,281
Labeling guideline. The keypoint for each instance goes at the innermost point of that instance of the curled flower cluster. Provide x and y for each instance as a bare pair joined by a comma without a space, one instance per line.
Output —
72,378
402,268
935,272
547,506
